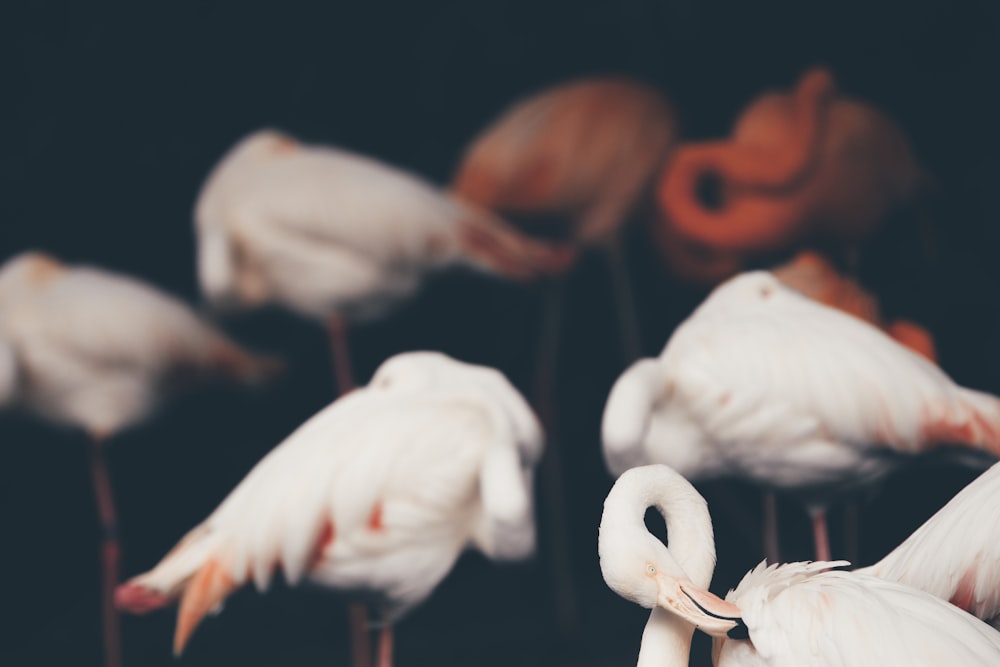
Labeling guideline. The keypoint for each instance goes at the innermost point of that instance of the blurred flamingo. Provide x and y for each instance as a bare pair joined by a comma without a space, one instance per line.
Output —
338,236
376,495
575,162
778,616
341,237
810,164
95,350
764,383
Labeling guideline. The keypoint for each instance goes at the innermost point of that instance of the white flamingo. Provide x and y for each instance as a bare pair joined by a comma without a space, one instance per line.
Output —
96,350
377,494
764,383
955,555
778,616
338,236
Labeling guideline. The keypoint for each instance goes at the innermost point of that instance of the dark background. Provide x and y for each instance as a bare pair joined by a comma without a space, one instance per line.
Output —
112,115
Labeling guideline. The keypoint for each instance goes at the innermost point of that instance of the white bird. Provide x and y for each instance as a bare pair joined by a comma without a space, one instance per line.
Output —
333,234
778,616
764,383
955,555
377,494
96,350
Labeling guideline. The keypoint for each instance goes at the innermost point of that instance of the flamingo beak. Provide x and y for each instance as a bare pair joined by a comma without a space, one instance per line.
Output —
707,612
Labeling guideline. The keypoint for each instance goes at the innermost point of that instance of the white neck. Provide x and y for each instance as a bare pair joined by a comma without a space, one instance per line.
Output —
667,638
666,641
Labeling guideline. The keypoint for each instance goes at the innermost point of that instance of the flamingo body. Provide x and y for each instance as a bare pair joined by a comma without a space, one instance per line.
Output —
765,383
582,153
94,349
377,495
328,232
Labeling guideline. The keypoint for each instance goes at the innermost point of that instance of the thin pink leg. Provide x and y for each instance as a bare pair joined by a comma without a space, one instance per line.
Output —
820,534
772,550
110,553
361,650
336,329
385,647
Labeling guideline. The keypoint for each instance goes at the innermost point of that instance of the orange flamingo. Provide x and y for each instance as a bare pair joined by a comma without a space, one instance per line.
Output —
809,164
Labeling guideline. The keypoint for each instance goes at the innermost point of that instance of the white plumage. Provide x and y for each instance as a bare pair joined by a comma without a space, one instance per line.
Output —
94,349
955,555
778,616
328,232
764,383
377,494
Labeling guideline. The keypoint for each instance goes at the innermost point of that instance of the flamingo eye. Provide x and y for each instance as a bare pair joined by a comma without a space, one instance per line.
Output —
651,569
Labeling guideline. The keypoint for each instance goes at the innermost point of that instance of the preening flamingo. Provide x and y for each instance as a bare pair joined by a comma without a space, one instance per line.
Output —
575,161
955,555
809,164
95,350
764,383
779,615
377,494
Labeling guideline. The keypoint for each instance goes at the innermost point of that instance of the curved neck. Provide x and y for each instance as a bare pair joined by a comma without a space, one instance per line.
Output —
667,638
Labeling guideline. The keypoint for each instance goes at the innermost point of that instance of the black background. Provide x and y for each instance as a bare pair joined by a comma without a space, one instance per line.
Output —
112,115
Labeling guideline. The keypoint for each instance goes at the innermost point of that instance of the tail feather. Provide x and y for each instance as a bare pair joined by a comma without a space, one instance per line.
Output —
976,425
204,594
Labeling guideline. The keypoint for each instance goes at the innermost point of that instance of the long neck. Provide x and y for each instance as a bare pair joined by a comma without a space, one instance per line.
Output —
666,641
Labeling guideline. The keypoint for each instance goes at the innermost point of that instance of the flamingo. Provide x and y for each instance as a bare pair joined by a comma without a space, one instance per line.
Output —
764,383
779,615
578,158
377,495
338,236
575,161
810,163
91,349
955,555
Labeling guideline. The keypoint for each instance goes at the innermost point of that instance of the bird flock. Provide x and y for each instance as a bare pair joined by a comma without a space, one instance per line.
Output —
786,375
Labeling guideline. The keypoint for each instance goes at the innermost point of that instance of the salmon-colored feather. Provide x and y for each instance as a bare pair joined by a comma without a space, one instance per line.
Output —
204,593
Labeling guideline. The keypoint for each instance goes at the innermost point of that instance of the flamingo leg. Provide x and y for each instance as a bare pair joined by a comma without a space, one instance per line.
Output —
821,536
385,647
336,329
553,486
110,551
361,651
624,296
772,550
357,614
